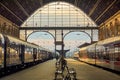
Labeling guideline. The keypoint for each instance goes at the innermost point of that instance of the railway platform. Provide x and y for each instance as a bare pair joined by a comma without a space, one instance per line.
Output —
46,71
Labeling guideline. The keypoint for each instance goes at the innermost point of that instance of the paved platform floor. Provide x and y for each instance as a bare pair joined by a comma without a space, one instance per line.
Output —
88,72
46,70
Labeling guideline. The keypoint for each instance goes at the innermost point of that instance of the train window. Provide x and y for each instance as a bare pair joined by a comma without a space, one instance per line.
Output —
117,53
28,54
116,49
13,53
111,53
106,53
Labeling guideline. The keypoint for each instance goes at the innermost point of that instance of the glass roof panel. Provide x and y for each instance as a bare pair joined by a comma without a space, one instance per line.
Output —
58,14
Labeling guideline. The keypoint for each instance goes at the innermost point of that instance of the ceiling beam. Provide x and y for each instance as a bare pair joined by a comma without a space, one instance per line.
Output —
41,2
76,2
21,7
11,12
58,28
94,7
105,10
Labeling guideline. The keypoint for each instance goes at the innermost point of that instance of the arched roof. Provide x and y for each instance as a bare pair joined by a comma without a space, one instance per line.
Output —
19,10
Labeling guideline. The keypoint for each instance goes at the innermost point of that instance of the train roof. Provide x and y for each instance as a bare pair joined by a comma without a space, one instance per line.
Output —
112,40
84,45
20,41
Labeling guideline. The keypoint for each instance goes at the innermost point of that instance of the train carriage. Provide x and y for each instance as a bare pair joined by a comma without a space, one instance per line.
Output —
111,53
12,51
16,54
1,51
105,53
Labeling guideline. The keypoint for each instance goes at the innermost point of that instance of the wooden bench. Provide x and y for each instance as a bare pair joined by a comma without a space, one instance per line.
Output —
59,74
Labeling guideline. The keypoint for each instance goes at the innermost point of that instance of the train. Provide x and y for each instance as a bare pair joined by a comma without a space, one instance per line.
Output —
16,54
104,54
76,56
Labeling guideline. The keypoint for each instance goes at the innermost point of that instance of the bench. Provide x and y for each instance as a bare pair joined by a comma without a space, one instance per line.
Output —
59,73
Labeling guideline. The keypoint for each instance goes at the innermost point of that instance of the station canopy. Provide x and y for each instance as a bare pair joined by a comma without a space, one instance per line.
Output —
18,11
62,14
59,14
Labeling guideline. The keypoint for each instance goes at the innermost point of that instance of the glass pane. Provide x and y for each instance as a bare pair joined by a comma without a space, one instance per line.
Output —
59,14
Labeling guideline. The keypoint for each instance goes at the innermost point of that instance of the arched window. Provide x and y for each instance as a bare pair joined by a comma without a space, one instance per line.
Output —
58,14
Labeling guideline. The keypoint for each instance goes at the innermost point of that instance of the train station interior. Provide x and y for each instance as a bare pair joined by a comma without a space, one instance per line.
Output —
59,39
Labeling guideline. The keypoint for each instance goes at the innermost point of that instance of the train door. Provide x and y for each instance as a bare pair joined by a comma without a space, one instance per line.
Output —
7,52
34,54
22,53
117,57
39,54
107,53
117,52
112,52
